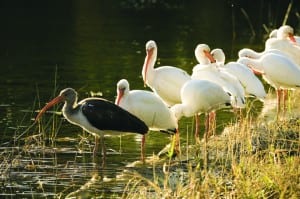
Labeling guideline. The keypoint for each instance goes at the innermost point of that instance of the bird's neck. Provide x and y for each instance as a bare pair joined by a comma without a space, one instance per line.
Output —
148,68
256,55
70,110
202,60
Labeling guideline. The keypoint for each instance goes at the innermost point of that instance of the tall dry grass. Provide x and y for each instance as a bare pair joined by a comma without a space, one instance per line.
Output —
250,159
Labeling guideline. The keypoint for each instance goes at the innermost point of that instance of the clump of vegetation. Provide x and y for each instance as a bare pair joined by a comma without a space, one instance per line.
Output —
249,160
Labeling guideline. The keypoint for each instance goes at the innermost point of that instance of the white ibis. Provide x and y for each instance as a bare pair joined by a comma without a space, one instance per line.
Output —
166,81
203,55
211,72
97,116
252,85
285,42
147,106
247,52
201,96
273,33
287,31
279,71
207,69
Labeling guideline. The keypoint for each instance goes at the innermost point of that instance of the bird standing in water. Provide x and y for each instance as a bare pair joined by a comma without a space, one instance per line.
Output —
97,116
149,107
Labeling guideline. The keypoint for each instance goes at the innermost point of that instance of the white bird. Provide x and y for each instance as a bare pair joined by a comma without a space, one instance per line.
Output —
273,33
285,42
252,85
285,28
211,72
247,52
279,71
147,106
250,53
166,81
200,96
203,55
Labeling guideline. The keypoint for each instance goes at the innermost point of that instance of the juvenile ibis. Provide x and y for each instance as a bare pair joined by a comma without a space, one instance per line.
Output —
166,81
97,116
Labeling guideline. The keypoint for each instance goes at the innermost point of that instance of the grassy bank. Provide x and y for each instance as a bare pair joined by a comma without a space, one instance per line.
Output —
250,159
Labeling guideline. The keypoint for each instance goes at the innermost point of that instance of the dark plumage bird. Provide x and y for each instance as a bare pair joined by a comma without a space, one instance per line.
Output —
97,116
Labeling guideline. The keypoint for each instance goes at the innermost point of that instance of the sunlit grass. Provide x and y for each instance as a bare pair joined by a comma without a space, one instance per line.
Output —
249,160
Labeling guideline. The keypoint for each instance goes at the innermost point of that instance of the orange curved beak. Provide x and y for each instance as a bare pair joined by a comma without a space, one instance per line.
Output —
209,56
49,105
292,38
120,95
148,58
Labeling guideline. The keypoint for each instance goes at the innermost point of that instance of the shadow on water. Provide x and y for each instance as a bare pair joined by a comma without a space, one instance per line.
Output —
47,46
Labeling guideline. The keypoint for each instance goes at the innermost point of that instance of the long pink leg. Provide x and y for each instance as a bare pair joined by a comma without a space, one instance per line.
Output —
103,150
285,97
143,148
96,149
207,126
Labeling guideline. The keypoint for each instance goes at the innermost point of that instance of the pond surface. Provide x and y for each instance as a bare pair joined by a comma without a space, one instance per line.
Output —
90,46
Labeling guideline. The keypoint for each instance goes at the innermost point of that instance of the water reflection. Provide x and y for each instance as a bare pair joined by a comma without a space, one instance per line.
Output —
91,45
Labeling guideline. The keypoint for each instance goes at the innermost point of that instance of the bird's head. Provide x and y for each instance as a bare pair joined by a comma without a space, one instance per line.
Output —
68,94
151,48
202,54
219,55
122,88
286,31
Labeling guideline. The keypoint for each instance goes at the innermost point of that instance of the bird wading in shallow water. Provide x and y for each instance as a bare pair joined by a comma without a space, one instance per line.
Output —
98,117
149,107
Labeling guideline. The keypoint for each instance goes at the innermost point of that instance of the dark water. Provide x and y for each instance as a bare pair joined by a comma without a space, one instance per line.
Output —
89,46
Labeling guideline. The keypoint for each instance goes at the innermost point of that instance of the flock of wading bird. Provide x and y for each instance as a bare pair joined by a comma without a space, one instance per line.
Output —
213,85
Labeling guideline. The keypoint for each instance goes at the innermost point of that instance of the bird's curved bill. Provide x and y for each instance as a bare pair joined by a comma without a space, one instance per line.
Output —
292,38
49,105
119,97
210,57
147,62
